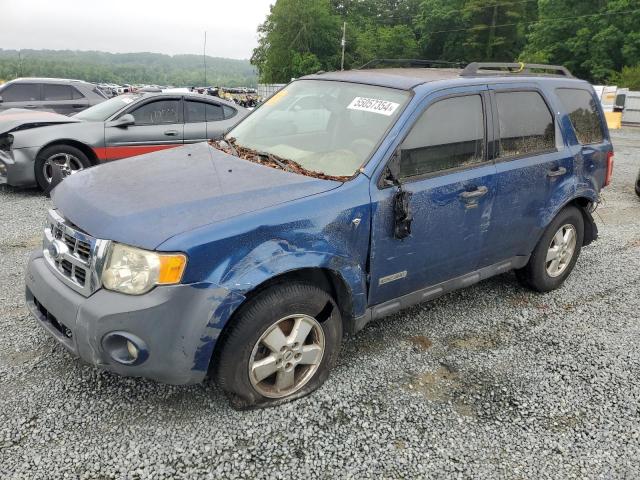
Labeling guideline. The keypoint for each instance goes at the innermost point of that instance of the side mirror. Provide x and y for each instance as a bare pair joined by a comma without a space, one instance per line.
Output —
124,121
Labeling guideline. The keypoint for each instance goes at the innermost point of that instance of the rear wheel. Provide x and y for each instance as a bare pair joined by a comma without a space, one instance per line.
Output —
70,160
556,254
281,346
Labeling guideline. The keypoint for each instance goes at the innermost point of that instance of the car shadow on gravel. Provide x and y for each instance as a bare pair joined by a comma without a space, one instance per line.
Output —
21,192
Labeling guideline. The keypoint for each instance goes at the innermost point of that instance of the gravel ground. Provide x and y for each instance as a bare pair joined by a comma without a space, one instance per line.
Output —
490,382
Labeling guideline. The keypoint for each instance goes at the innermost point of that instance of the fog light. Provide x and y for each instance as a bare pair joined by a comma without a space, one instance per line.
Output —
125,348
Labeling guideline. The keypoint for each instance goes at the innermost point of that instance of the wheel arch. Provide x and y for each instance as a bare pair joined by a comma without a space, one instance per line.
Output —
584,204
324,278
83,147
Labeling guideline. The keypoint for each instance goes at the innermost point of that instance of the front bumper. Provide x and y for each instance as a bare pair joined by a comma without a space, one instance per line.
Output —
179,324
17,167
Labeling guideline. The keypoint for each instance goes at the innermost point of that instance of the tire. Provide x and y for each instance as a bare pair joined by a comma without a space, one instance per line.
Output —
638,185
539,274
74,158
244,356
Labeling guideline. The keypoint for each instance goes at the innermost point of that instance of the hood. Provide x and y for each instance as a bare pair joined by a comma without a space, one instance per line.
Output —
16,119
145,200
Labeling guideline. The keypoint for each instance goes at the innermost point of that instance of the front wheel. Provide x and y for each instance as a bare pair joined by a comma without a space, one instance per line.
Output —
556,253
281,346
70,159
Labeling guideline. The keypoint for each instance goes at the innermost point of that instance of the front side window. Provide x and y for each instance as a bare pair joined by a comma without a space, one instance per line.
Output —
526,124
157,113
311,123
21,92
104,110
448,135
55,93
583,112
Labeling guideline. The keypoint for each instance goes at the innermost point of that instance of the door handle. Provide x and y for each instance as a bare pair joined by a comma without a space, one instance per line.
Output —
557,172
30,106
77,106
171,133
475,194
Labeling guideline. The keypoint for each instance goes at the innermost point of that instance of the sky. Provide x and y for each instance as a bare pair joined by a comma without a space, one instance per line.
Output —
117,26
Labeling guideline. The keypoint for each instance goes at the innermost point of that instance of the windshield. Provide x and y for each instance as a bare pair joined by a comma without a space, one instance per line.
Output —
102,111
323,126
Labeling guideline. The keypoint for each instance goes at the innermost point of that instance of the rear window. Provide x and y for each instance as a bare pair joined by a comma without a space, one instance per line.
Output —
21,92
214,113
229,112
195,112
54,92
583,112
526,124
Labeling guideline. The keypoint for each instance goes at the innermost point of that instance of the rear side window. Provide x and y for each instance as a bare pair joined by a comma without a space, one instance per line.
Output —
214,113
526,124
449,134
229,112
21,92
195,112
157,113
583,112
57,92
77,94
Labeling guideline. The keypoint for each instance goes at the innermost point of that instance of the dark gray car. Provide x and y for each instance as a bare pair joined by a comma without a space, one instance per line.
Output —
50,94
124,126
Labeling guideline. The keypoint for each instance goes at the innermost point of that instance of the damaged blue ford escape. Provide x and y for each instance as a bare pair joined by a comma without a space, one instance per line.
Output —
344,198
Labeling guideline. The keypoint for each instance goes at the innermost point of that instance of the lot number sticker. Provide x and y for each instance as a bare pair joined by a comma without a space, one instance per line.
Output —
373,105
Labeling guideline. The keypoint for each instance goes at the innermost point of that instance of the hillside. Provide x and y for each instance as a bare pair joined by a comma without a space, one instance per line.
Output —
155,68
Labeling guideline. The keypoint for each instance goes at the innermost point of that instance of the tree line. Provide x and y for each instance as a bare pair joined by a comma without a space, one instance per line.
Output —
132,68
598,40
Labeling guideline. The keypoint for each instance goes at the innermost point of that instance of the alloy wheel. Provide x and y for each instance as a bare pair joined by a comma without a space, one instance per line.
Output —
561,250
286,356
68,163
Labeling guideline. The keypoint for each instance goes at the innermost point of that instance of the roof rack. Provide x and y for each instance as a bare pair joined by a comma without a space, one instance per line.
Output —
499,68
411,62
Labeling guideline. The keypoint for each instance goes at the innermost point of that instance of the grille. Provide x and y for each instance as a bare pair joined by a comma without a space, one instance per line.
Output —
72,255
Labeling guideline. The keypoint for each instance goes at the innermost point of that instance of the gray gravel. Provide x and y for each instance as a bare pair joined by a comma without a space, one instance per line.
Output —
490,382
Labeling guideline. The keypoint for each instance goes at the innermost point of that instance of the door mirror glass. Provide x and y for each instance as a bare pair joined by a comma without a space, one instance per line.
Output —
124,121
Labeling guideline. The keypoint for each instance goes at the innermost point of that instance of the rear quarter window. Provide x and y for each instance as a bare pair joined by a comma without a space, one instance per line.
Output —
526,124
583,113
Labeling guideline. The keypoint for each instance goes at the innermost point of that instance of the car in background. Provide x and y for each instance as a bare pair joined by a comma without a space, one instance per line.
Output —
123,126
50,94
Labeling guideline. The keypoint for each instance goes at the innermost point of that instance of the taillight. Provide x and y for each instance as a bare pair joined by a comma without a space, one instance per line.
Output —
607,177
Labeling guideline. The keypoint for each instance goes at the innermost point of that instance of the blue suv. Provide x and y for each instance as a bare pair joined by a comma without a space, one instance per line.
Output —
344,198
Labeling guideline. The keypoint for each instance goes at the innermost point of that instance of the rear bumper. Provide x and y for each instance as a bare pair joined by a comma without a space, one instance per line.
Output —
178,325
17,167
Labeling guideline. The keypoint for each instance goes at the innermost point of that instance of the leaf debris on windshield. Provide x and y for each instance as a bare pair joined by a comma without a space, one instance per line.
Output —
270,160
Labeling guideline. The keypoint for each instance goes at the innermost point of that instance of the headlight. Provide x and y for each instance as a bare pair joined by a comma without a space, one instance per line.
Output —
135,271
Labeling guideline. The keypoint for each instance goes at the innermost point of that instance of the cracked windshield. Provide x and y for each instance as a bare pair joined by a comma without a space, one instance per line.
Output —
319,128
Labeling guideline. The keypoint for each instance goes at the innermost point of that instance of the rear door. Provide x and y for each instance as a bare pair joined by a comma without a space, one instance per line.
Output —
535,169
21,95
63,99
446,166
195,121
159,125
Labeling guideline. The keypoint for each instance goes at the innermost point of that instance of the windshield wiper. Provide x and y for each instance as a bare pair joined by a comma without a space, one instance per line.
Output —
229,146
276,160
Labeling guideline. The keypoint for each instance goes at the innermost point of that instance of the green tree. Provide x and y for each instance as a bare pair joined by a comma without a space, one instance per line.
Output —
628,78
593,38
297,38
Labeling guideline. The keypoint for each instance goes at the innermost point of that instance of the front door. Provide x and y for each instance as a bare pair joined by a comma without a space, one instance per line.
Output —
158,126
444,163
